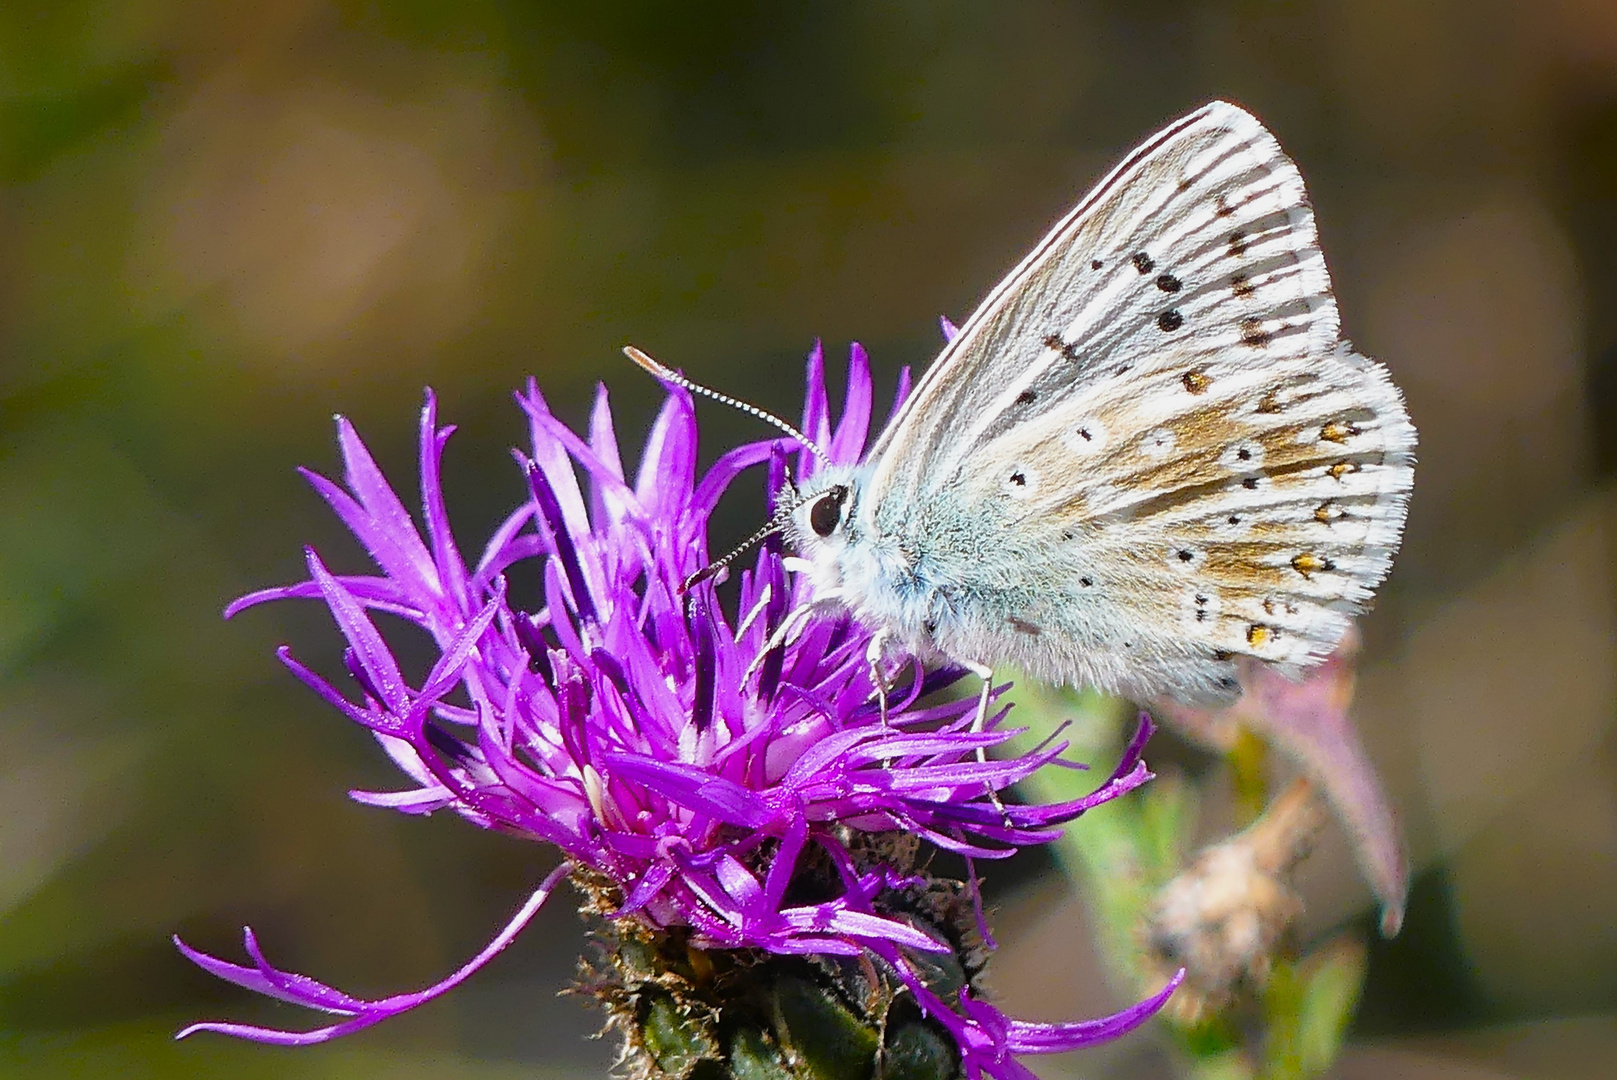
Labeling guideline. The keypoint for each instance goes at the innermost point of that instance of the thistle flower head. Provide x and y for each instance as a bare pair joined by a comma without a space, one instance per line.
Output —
688,757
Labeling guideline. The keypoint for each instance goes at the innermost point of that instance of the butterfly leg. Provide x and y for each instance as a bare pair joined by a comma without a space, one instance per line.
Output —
790,625
873,657
980,722
986,674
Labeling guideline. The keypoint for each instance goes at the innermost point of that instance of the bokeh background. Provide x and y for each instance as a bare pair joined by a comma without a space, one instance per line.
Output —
222,223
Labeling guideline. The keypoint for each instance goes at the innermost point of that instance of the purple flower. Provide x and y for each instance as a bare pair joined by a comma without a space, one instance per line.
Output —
689,757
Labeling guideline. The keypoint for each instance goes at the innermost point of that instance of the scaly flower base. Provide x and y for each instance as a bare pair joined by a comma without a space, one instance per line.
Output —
748,1014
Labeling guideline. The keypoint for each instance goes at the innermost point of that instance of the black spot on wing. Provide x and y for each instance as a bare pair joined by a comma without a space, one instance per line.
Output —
1061,345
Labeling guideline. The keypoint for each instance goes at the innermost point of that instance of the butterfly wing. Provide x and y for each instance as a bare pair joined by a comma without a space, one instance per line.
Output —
1156,408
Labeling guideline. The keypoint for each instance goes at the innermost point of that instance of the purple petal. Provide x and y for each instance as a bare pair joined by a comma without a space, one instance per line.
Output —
849,441
302,990
603,447
668,466
551,456
262,979
693,788
445,555
446,672
374,655
378,594
901,394
384,526
606,473
417,801
1026,1038
785,861
816,409
561,539
824,918
372,718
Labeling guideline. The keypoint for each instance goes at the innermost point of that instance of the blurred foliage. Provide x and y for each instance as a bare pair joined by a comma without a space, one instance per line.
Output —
219,224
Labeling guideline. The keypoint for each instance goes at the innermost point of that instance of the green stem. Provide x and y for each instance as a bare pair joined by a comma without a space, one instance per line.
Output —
1249,771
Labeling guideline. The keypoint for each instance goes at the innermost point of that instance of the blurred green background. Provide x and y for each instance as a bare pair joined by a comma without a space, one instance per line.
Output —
220,224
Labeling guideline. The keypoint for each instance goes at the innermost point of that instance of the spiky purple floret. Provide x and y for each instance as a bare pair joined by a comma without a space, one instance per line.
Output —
686,755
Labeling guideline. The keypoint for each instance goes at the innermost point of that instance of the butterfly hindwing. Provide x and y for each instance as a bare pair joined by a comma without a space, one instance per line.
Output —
1158,402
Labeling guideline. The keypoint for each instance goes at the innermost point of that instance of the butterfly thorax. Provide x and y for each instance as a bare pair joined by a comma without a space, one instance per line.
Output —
878,577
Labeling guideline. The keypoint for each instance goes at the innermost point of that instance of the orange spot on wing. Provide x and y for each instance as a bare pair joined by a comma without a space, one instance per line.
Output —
1309,564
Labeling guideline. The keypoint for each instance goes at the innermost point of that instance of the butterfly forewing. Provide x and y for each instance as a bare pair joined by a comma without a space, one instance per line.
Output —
1158,403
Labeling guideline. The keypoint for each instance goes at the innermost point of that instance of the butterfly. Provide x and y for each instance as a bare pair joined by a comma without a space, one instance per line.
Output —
1147,454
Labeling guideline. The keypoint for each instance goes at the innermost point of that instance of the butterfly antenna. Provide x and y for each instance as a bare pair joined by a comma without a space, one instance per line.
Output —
665,374
775,525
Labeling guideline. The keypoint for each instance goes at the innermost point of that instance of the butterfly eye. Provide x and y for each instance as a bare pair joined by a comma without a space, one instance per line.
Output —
826,513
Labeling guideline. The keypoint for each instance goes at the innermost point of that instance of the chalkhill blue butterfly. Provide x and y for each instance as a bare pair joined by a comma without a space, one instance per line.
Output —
1148,453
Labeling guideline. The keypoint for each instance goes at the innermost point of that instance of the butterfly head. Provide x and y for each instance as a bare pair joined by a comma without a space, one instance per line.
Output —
820,525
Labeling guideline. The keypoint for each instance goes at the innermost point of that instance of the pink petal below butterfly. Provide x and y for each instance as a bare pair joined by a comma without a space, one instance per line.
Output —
1310,722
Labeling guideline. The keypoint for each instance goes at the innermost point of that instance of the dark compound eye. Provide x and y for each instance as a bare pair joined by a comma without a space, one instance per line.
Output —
826,513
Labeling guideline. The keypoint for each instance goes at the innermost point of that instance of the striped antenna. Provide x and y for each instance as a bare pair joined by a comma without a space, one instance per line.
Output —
668,375
775,525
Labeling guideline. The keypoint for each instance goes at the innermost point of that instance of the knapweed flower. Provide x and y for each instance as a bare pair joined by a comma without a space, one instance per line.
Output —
720,783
